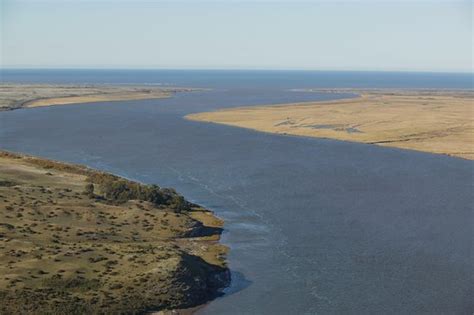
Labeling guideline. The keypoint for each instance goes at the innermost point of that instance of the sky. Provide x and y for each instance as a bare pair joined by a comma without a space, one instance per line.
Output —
229,34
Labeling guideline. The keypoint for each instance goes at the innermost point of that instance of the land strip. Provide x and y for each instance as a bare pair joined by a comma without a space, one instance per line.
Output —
436,121
14,96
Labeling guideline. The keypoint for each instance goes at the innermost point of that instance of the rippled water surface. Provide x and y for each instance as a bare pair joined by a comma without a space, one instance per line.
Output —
314,226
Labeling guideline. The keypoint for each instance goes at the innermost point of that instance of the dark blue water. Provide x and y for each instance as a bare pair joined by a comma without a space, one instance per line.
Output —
314,226
246,79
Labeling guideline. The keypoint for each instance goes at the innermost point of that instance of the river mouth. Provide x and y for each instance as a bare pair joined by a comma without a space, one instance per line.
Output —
314,226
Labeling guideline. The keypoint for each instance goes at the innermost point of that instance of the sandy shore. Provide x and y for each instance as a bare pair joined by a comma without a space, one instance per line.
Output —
74,240
433,121
14,96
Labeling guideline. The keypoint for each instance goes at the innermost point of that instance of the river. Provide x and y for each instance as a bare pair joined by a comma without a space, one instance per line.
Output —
314,225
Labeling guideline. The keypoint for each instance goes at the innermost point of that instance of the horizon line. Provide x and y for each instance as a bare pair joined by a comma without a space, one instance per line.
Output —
233,69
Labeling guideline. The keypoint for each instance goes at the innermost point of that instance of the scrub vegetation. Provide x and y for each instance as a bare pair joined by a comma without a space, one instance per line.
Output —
74,240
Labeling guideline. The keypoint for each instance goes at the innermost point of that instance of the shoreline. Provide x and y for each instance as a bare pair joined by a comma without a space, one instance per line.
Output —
320,129
190,241
16,96
433,121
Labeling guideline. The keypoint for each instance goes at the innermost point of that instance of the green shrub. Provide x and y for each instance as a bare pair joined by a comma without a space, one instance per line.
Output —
120,190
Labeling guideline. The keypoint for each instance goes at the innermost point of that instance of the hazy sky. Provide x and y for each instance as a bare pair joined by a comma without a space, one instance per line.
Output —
338,35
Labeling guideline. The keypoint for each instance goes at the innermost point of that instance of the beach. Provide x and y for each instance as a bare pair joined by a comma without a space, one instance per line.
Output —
435,121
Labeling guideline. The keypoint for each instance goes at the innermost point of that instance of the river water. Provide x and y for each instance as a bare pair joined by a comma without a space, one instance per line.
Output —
315,226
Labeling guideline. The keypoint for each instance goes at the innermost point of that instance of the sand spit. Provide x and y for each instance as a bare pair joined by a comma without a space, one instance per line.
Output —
436,121
14,96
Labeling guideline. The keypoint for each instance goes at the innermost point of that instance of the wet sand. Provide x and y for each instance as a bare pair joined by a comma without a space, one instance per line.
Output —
436,121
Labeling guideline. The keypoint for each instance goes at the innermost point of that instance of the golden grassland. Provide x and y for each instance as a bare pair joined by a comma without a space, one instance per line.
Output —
13,96
66,249
426,120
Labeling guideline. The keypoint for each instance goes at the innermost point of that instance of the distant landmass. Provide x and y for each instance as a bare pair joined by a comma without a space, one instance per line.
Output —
14,96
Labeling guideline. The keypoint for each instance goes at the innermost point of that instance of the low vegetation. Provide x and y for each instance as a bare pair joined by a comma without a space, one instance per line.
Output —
74,241
120,190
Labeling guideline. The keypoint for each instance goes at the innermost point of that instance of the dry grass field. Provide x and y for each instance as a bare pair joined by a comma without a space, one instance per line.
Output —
432,121
13,96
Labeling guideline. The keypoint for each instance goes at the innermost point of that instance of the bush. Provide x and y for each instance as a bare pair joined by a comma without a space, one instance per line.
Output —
120,190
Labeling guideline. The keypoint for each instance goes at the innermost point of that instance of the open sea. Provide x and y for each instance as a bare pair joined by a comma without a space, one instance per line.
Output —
314,226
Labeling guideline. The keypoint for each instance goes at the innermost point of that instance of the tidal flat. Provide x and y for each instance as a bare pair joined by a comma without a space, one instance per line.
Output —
75,240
